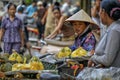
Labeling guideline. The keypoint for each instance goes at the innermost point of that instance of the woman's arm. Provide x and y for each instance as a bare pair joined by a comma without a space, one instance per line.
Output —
2,30
1,34
111,49
22,37
44,17
59,26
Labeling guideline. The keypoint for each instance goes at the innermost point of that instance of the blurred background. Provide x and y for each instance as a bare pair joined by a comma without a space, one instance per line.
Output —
84,4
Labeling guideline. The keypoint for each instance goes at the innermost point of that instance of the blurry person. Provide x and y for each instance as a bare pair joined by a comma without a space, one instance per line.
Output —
22,4
12,31
31,9
65,27
23,18
41,26
57,15
96,18
49,18
74,8
66,6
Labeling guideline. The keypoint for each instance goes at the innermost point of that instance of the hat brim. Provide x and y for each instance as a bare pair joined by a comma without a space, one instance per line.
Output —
81,16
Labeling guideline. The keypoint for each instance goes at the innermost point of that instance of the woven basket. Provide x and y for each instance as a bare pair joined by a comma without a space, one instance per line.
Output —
48,65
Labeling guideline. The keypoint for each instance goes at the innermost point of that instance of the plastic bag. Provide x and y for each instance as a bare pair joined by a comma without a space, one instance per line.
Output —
99,74
85,74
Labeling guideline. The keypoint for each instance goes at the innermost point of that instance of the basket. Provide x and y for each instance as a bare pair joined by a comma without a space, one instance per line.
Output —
67,72
48,65
26,74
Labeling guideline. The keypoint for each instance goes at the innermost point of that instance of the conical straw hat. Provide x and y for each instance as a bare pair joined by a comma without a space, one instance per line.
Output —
80,16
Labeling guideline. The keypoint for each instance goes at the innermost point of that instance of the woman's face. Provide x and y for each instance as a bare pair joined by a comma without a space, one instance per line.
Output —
12,10
56,13
79,27
103,16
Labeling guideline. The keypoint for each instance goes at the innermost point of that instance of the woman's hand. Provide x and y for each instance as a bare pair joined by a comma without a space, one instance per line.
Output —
91,63
43,21
51,36
48,37
92,52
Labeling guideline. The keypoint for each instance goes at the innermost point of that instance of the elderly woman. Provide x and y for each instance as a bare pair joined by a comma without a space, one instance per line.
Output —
107,52
81,24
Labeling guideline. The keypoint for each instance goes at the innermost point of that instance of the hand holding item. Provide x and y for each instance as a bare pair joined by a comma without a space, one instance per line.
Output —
48,37
91,63
99,66
92,52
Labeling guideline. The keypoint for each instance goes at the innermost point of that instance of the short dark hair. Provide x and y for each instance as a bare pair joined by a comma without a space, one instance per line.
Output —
56,8
44,4
56,4
20,9
11,4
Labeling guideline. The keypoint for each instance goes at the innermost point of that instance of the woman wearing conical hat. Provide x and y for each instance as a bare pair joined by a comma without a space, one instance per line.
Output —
81,24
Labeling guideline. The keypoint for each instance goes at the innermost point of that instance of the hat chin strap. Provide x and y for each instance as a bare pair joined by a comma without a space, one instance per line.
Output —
85,30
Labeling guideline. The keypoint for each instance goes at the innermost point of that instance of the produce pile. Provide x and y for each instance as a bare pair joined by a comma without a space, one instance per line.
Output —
66,52
15,57
16,62
34,64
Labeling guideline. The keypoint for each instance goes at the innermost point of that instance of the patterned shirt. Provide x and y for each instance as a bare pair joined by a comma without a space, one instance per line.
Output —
86,41
11,28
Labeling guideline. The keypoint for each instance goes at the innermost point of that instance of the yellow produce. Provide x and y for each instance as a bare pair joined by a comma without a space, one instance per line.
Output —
79,52
17,66
36,66
15,57
26,67
34,58
65,52
19,58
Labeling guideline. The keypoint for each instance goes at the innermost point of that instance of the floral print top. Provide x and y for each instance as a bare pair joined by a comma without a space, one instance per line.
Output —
12,33
87,41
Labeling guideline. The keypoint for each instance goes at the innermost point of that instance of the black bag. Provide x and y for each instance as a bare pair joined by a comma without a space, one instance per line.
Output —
1,49
22,50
